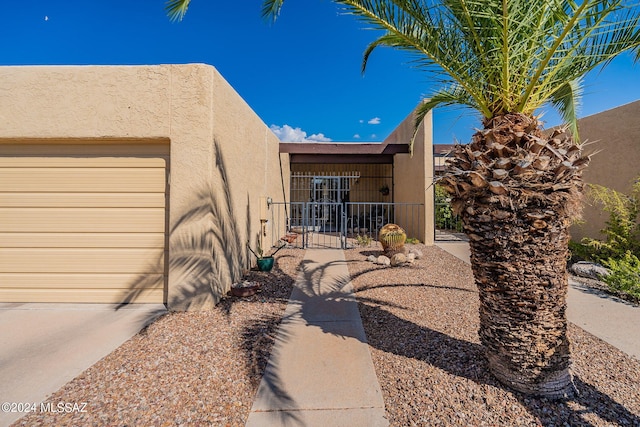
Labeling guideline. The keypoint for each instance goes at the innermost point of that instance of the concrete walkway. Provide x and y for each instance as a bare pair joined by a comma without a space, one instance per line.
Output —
608,318
320,371
44,346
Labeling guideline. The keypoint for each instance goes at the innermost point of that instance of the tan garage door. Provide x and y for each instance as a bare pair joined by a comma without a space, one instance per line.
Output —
83,222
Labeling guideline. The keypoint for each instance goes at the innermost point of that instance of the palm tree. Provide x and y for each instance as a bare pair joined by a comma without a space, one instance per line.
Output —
516,186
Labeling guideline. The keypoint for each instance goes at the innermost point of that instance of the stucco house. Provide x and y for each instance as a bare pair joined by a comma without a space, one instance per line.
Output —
346,190
143,183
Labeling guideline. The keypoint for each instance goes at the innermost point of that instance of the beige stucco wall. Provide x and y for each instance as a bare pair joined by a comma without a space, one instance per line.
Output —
224,159
413,174
615,135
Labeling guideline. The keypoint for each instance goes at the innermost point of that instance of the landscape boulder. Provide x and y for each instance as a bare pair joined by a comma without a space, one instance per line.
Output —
383,260
398,259
417,253
589,270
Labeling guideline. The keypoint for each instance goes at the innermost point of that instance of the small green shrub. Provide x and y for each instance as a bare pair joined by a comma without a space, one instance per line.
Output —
581,252
622,231
364,240
412,240
445,218
625,274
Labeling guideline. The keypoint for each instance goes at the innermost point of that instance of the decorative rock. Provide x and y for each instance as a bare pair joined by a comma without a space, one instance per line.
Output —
383,260
390,253
372,258
589,269
411,257
398,259
245,288
417,253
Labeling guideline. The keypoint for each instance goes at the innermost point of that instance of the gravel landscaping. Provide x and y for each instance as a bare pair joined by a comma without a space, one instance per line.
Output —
203,368
421,322
191,369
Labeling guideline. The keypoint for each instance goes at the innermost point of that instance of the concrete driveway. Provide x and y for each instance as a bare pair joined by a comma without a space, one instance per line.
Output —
44,346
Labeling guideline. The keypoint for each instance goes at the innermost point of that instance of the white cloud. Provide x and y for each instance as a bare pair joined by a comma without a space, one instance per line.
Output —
374,121
319,137
356,136
361,121
288,134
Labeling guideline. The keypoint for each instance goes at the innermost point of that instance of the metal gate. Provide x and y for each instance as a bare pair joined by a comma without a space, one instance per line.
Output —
314,224
341,225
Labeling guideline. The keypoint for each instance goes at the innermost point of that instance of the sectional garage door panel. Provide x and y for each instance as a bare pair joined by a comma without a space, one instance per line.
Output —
83,240
88,295
82,200
83,223
104,180
82,220
79,281
61,161
76,260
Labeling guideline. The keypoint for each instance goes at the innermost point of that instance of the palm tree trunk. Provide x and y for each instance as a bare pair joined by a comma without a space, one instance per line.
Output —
517,193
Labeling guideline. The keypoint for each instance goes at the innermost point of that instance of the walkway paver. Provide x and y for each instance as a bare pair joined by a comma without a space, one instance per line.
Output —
608,318
320,371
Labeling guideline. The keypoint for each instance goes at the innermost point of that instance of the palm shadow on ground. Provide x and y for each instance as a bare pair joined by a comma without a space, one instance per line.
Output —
211,224
465,359
261,336
462,358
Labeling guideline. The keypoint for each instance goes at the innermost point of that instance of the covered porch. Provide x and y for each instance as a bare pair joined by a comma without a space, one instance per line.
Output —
342,194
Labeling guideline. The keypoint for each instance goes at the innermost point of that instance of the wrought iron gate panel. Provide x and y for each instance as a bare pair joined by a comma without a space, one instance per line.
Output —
337,225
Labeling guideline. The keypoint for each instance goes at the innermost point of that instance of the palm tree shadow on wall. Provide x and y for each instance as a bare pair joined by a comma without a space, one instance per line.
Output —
206,255
208,251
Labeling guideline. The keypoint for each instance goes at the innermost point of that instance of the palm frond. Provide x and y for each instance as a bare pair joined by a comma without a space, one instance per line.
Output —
567,100
176,9
412,26
271,9
598,31
454,95
509,56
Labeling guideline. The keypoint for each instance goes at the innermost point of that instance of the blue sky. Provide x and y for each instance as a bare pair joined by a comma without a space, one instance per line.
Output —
300,75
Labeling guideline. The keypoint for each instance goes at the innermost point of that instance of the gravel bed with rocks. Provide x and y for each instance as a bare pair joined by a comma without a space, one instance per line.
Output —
421,322
203,368
190,369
